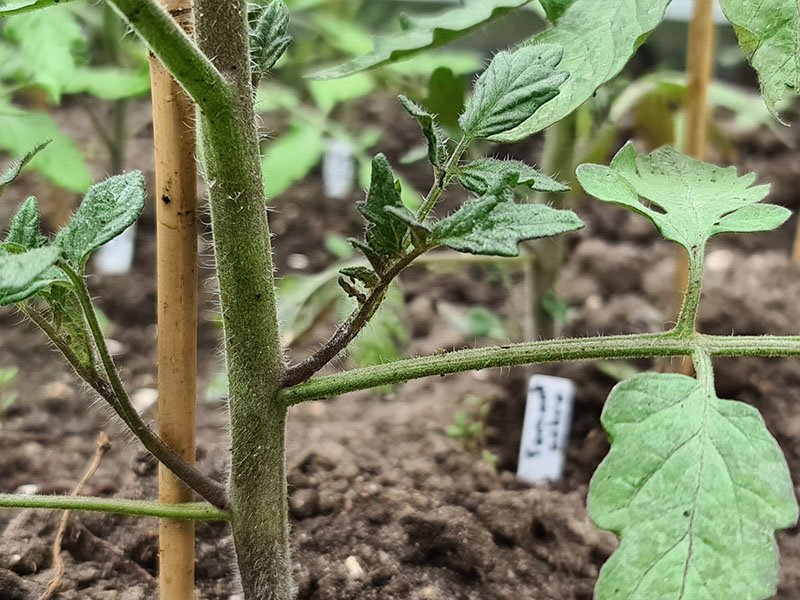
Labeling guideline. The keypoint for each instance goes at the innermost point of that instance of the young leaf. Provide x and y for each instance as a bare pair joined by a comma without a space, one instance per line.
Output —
291,157
384,233
107,209
19,272
10,174
688,200
511,89
423,33
363,274
68,321
484,174
268,37
695,487
437,140
24,230
598,40
769,34
494,225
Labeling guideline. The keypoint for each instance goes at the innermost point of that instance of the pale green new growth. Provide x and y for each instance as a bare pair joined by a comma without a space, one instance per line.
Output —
483,174
24,230
423,33
495,225
696,488
437,139
769,33
688,200
598,40
268,37
107,210
514,86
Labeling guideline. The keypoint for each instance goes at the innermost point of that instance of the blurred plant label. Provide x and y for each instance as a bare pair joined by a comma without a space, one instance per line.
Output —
338,169
545,432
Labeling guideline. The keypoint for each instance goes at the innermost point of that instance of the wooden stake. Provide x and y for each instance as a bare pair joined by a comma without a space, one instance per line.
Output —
176,199
699,70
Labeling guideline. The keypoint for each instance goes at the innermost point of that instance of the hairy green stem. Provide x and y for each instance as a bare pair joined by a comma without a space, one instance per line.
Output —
242,244
687,319
440,185
703,368
196,511
646,345
165,38
113,391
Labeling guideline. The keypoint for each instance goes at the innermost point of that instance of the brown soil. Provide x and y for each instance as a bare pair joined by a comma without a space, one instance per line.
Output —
383,504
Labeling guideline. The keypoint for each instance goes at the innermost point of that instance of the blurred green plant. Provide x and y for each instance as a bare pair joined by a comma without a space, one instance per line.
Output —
77,50
8,395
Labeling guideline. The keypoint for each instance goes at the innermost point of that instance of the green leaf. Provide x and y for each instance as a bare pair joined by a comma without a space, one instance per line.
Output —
482,175
109,83
271,96
48,43
268,37
410,196
19,272
291,157
15,7
437,140
688,200
598,40
9,175
69,323
60,162
384,233
24,230
107,209
328,93
343,34
555,8
769,34
511,89
446,96
459,62
363,274
695,487
424,32
494,225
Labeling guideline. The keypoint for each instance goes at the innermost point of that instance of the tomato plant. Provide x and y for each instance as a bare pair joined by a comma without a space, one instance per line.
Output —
694,485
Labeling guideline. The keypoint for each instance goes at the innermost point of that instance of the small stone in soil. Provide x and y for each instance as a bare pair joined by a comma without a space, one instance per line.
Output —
354,568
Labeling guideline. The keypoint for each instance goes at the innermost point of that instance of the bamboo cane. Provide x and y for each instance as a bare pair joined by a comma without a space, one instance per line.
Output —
176,231
699,70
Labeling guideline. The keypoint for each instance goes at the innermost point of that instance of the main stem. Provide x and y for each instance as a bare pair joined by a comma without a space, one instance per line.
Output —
257,488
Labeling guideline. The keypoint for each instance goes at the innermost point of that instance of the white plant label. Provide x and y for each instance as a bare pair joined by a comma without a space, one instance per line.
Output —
545,431
338,169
